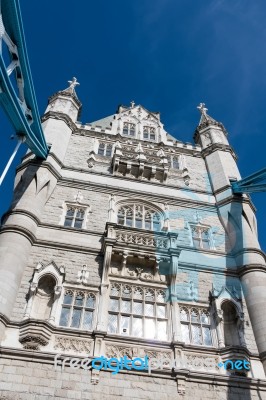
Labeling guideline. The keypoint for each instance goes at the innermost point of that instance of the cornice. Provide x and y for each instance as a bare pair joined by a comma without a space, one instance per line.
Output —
218,147
21,212
234,198
66,246
246,269
65,94
60,116
207,123
82,184
45,164
70,228
19,230
249,250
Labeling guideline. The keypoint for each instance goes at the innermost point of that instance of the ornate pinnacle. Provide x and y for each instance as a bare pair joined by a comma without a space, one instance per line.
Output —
203,110
72,85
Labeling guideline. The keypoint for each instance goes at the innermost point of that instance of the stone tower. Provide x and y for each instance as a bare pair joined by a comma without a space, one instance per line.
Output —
127,243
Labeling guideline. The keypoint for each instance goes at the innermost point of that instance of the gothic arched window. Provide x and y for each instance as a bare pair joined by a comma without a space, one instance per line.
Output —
74,217
77,309
139,216
195,326
137,311
201,237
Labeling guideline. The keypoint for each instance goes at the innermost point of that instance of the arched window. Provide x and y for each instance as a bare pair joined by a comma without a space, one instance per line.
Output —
74,217
77,310
43,300
201,237
230,318
139,216
137,311
195,326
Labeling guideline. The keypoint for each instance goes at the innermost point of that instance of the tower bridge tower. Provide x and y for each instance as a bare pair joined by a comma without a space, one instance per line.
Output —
126,242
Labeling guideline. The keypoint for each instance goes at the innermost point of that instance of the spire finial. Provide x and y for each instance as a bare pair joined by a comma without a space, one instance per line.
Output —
203,110
72,85
132,104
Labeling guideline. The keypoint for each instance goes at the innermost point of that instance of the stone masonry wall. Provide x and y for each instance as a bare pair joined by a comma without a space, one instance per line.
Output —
28,380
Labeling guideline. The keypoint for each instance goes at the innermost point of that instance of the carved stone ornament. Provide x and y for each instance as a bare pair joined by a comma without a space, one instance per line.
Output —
33,342
69,344
83,275
119,351
164,357
32,336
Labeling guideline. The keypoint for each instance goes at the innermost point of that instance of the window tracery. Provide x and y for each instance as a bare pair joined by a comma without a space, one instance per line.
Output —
137,311
139,216
201,236
196,326
74,217
78,309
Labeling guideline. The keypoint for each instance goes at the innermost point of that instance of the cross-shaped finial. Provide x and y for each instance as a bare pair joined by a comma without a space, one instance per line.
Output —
73,84
132,104
203,109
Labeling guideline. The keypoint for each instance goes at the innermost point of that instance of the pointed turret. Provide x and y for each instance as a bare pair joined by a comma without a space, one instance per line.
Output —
218,154
66,101
209,131
63,106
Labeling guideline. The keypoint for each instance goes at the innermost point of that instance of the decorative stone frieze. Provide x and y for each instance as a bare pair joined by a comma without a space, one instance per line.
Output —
70,344
120,351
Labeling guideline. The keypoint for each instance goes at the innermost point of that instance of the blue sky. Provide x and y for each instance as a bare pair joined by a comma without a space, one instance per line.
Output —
168,55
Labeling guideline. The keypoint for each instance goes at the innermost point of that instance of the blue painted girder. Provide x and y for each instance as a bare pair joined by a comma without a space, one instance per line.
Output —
31,129
252,183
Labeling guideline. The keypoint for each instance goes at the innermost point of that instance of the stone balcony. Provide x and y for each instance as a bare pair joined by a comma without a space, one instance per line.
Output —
139,239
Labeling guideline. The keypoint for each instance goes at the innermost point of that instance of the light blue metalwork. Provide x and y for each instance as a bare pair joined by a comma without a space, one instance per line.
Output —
252,183
21,108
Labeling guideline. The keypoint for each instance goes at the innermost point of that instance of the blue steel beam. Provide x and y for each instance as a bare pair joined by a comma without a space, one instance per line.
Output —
251,183
21,109
250,188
